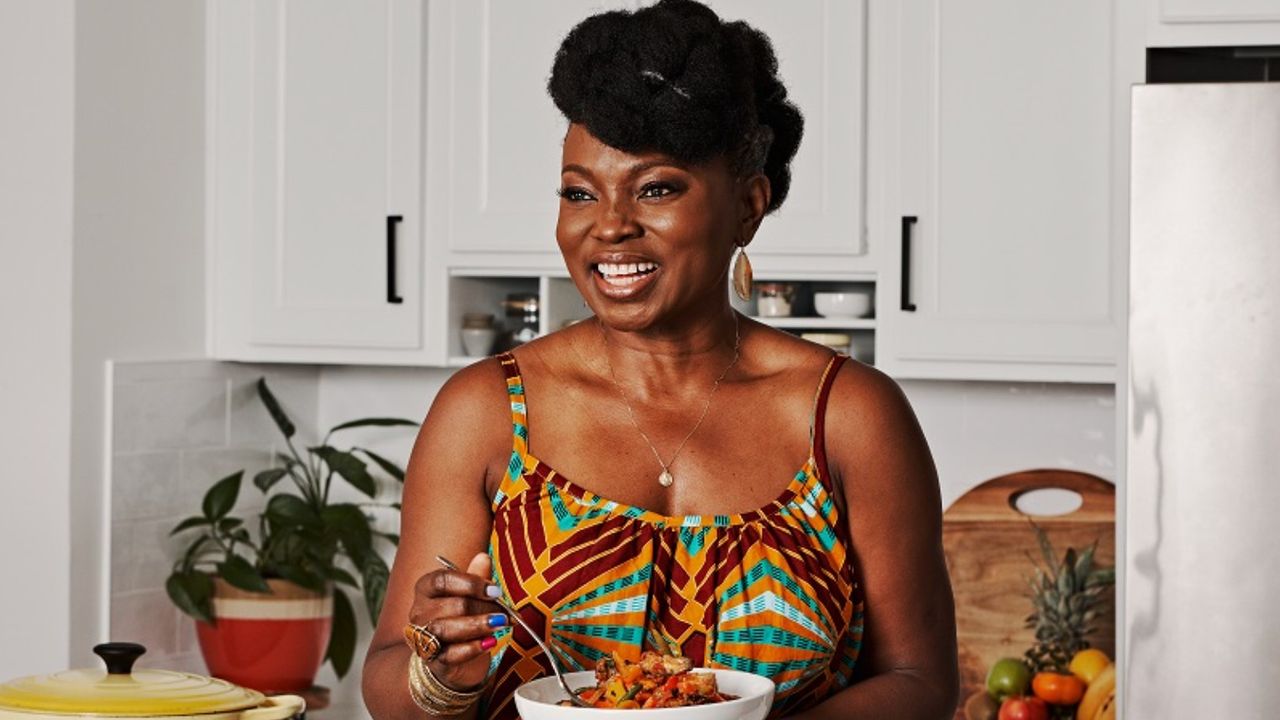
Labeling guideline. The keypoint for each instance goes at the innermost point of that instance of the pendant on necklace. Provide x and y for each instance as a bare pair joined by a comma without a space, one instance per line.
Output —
665,479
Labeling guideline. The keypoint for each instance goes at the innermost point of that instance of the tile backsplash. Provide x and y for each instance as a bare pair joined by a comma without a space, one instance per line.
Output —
176,427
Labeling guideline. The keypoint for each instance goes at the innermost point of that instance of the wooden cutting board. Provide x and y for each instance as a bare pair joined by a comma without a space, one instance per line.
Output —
987,541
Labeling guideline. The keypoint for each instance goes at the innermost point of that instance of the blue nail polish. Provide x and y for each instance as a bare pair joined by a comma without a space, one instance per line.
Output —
497,621
493,591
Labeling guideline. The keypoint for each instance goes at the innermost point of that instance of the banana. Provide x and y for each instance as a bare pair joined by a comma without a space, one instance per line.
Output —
1108,709
1094,702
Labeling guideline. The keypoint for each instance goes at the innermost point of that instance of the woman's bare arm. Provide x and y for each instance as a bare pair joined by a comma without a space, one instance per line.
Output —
907,666
464,441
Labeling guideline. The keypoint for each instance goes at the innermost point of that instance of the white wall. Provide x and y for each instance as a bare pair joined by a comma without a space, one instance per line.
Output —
37,77
981,430
139,238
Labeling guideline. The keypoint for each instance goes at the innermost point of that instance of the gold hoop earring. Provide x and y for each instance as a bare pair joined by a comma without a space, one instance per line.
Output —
742,275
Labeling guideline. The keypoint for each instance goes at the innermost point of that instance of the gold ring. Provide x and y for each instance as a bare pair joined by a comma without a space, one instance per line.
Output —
424,643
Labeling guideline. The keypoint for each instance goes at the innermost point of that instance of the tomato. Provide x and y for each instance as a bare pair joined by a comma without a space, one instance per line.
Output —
1058,688
1008,677
1089,664
1024,708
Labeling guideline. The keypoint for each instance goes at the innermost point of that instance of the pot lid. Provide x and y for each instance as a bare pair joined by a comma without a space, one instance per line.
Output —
121,691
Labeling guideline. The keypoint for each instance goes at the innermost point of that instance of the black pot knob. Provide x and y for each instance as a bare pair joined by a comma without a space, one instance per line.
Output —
119,656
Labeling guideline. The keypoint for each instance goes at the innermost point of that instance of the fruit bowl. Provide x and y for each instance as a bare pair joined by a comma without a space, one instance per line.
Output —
537,700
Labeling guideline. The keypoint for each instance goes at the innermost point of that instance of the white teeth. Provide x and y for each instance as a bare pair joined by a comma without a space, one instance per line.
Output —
621,269
622,280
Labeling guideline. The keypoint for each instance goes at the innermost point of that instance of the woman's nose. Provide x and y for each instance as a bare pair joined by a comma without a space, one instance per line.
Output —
616,222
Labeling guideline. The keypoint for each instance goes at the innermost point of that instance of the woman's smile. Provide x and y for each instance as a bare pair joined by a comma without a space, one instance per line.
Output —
623,278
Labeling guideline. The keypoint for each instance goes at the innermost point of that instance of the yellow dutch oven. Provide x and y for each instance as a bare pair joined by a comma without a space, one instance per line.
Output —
122,692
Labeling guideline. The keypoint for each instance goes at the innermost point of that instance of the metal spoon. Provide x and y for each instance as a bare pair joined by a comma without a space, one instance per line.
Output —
546,649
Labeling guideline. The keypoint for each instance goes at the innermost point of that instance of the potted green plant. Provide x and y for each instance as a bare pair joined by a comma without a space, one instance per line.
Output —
268,596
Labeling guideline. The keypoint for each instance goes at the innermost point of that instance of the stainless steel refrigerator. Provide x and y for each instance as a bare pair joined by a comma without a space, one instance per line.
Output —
1202,505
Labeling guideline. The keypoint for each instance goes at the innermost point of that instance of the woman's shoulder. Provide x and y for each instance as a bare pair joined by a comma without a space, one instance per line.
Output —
856,387
778,353
554,357
873,435
482,378
866,395
485,382
474,397
860,397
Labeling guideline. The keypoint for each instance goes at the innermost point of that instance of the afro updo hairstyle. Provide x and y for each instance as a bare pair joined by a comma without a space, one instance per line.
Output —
676,79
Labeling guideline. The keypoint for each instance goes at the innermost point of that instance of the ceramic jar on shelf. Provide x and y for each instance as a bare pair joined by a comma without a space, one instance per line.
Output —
478,334
775,299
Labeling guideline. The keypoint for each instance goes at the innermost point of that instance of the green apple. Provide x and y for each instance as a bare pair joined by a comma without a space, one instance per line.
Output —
1007,678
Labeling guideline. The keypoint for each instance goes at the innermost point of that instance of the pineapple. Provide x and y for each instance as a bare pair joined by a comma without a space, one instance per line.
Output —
1066,597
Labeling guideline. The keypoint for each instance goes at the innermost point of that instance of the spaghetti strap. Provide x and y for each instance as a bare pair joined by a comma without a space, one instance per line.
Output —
519,429
817,425
515,391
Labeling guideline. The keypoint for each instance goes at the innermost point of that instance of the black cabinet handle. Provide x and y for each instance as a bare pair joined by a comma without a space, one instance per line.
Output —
907,222
392,296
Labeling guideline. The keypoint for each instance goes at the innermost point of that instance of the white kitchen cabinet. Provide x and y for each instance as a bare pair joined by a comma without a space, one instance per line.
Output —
999,183
1209,23
494,135
315,158
821,49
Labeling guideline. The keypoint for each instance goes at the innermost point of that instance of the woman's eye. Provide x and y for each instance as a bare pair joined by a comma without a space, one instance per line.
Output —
574,194
657,190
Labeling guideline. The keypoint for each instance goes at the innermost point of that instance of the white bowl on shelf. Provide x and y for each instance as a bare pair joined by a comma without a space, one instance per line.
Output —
842,304
536,700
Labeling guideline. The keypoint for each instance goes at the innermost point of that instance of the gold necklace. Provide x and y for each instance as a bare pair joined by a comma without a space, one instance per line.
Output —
665,478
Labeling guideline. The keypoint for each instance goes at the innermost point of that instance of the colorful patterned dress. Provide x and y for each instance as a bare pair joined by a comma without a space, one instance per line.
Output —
770,591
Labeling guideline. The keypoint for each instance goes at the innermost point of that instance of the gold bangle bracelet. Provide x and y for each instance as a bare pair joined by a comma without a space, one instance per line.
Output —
434,696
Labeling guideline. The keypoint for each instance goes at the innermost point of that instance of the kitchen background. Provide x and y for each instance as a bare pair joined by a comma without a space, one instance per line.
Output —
130,320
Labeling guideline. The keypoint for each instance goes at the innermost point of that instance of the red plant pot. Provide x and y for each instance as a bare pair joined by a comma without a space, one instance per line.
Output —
273,642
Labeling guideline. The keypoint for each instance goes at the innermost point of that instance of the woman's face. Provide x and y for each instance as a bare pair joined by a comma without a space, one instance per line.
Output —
648,239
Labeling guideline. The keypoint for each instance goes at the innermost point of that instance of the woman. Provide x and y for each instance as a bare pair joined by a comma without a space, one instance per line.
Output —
669,474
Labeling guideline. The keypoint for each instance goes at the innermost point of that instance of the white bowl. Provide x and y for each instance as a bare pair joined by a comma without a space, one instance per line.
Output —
536,700
842,304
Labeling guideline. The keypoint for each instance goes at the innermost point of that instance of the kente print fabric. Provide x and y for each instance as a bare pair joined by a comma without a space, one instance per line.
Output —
771,591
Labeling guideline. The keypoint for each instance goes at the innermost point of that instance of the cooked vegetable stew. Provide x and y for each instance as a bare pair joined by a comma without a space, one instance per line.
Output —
656,681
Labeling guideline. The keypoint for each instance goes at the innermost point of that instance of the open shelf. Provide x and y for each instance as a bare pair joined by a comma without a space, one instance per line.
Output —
561,304
819,323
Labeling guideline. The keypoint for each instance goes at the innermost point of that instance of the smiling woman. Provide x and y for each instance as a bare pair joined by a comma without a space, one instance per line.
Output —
662,477
634,229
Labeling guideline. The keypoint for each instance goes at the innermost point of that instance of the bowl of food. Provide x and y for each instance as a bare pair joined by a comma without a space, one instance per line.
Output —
842,304
662,686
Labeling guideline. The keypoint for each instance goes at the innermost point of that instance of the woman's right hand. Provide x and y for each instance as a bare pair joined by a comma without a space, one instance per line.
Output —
458,608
